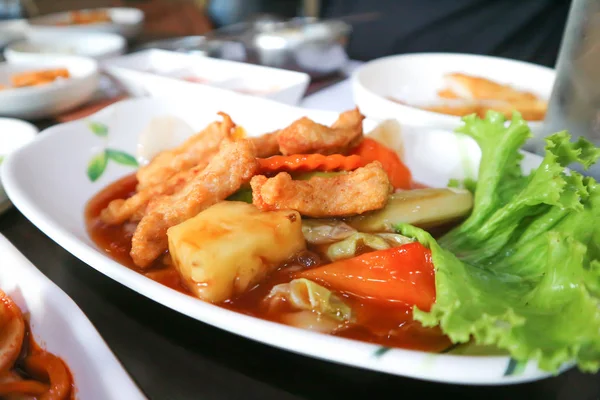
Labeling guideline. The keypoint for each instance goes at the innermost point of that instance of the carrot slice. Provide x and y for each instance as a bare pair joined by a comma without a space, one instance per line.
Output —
311,162
371,150
402,274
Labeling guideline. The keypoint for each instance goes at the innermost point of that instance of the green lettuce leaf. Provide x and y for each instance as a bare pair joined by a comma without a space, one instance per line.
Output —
523,271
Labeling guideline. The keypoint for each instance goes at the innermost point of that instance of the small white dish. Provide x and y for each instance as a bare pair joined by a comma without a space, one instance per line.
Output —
63,329
127,22
36,181
95,45
167,73
51,99
14,134
416,78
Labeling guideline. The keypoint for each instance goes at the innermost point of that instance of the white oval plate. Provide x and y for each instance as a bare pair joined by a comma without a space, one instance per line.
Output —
54,98
38,177
95,45
64,330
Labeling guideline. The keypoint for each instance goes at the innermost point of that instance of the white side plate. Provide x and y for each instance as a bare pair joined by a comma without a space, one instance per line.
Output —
62,329
168,73
36,180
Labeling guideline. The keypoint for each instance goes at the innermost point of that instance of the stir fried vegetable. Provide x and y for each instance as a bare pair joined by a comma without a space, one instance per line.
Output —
303,294
521,272
371,150
400,275
421,207
319,231
348,247
314,307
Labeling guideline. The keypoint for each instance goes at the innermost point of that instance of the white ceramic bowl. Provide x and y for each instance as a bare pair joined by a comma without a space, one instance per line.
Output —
12,30
163,73
14,134
37,180
95,45
416,78
127,22
52,99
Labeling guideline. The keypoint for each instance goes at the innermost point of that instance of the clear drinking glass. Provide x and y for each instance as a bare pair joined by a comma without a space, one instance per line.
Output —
575,101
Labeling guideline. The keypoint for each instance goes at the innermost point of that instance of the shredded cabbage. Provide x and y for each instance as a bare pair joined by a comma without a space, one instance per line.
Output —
305,295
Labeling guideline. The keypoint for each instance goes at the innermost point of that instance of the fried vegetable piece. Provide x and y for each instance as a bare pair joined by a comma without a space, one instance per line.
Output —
230,247
196,151
359,191
229,169
266,145
306,136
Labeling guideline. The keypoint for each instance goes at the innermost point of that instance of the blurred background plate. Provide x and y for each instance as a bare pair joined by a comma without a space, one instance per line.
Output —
94,45
125,21
35,102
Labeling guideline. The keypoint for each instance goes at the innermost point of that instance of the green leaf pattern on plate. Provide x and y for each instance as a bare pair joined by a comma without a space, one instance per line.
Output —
121,157
98,163
381,351
515,367
98,128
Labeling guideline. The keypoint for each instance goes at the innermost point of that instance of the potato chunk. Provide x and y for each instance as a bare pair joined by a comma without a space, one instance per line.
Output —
231,246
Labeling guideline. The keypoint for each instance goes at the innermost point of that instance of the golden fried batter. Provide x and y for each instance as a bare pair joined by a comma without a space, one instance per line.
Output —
359,191
196,151
266,145
306,136
134,208
229,169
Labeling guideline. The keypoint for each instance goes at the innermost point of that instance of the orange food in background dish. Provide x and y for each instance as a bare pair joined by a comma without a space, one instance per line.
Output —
467,94
39,77
87,17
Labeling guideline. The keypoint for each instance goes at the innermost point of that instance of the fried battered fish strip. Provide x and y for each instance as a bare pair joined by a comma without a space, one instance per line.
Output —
364,189
134,208
306,136
266,145
229,169
196,151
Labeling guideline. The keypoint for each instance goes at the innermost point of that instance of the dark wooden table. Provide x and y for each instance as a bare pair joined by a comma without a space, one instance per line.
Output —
171,356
